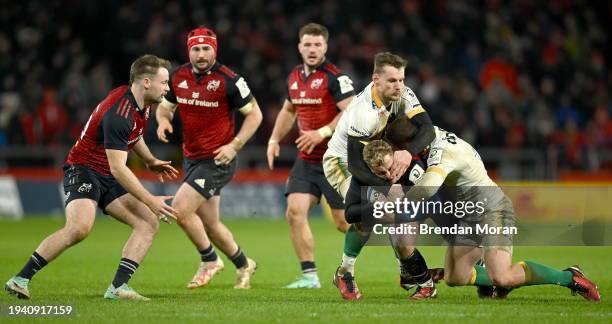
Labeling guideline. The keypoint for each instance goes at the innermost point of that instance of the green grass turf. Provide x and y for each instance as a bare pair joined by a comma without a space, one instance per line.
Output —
80,276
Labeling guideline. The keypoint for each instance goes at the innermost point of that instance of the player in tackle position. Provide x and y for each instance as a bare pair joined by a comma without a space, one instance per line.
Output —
456,164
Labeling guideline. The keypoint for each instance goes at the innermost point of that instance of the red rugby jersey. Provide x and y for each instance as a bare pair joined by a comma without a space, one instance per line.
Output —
315,97
116,123
206,104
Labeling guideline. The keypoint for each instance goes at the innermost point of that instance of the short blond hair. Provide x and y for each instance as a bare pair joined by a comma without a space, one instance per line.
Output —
147,66
385,58
374,153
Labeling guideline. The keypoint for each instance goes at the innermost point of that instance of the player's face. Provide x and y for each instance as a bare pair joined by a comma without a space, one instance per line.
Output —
312,48
158,86
383,170
202,57
389,83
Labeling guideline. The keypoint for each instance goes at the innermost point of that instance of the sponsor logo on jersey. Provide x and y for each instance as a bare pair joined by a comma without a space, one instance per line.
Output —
359,132
85,187
243,88
195,95
196,102
213,85
346,84
183,85
307,101
294,86
316,83
302,94
416,174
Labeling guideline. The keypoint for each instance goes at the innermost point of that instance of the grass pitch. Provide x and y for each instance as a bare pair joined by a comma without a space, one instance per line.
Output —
80,276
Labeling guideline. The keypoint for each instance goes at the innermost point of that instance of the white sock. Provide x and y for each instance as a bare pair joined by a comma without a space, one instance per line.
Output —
348,264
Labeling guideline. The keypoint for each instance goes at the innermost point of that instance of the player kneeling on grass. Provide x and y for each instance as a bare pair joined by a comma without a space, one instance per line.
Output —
456,164
96,173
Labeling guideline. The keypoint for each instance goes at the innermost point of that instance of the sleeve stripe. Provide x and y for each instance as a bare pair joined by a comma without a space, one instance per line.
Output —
121,107
437,170
415,111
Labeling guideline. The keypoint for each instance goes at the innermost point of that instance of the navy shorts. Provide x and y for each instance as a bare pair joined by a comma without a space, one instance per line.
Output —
206,177
307,177
83,182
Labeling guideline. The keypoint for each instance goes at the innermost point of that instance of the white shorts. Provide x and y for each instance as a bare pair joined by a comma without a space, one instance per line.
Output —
337,174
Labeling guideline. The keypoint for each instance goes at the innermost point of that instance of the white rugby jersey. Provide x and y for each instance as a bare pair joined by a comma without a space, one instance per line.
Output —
366,116
462,167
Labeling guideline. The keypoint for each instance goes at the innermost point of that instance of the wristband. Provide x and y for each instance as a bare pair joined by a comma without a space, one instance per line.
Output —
272,141
325,131
237,143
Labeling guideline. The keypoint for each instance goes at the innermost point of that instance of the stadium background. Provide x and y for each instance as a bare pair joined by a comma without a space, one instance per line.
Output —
526,82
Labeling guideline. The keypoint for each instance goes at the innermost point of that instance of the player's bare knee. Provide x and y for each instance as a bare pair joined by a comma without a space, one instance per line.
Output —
501,279
77,233
453,279
148,227
295,216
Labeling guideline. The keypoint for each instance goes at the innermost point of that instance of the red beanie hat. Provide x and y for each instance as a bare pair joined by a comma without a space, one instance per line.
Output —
202,35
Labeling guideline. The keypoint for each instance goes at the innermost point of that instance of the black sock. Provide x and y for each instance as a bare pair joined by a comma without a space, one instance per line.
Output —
208,254
35,263
308,267
238,259
416,267
125,271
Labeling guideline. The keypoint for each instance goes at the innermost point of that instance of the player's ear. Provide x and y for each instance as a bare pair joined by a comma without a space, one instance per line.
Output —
146,82
375,77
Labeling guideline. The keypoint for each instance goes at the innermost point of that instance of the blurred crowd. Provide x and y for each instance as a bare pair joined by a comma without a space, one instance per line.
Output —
508,74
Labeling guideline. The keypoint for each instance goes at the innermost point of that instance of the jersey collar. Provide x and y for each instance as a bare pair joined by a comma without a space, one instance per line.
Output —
132,100
377,102
201,75
303,69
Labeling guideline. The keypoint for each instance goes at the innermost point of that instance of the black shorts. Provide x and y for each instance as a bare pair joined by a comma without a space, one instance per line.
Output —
307,177
83,182
206,177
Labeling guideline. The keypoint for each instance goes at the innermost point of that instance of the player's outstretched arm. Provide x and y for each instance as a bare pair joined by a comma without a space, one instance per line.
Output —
164,114
127,179
282,126
159,167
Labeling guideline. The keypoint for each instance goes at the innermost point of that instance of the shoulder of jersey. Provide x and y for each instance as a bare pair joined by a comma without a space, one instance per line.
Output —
179,69
227,71
298,68
332,69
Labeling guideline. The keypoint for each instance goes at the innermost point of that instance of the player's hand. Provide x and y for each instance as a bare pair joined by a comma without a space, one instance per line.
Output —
225,154
308,140
163,169
162,128
158,206
401,162
273,151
